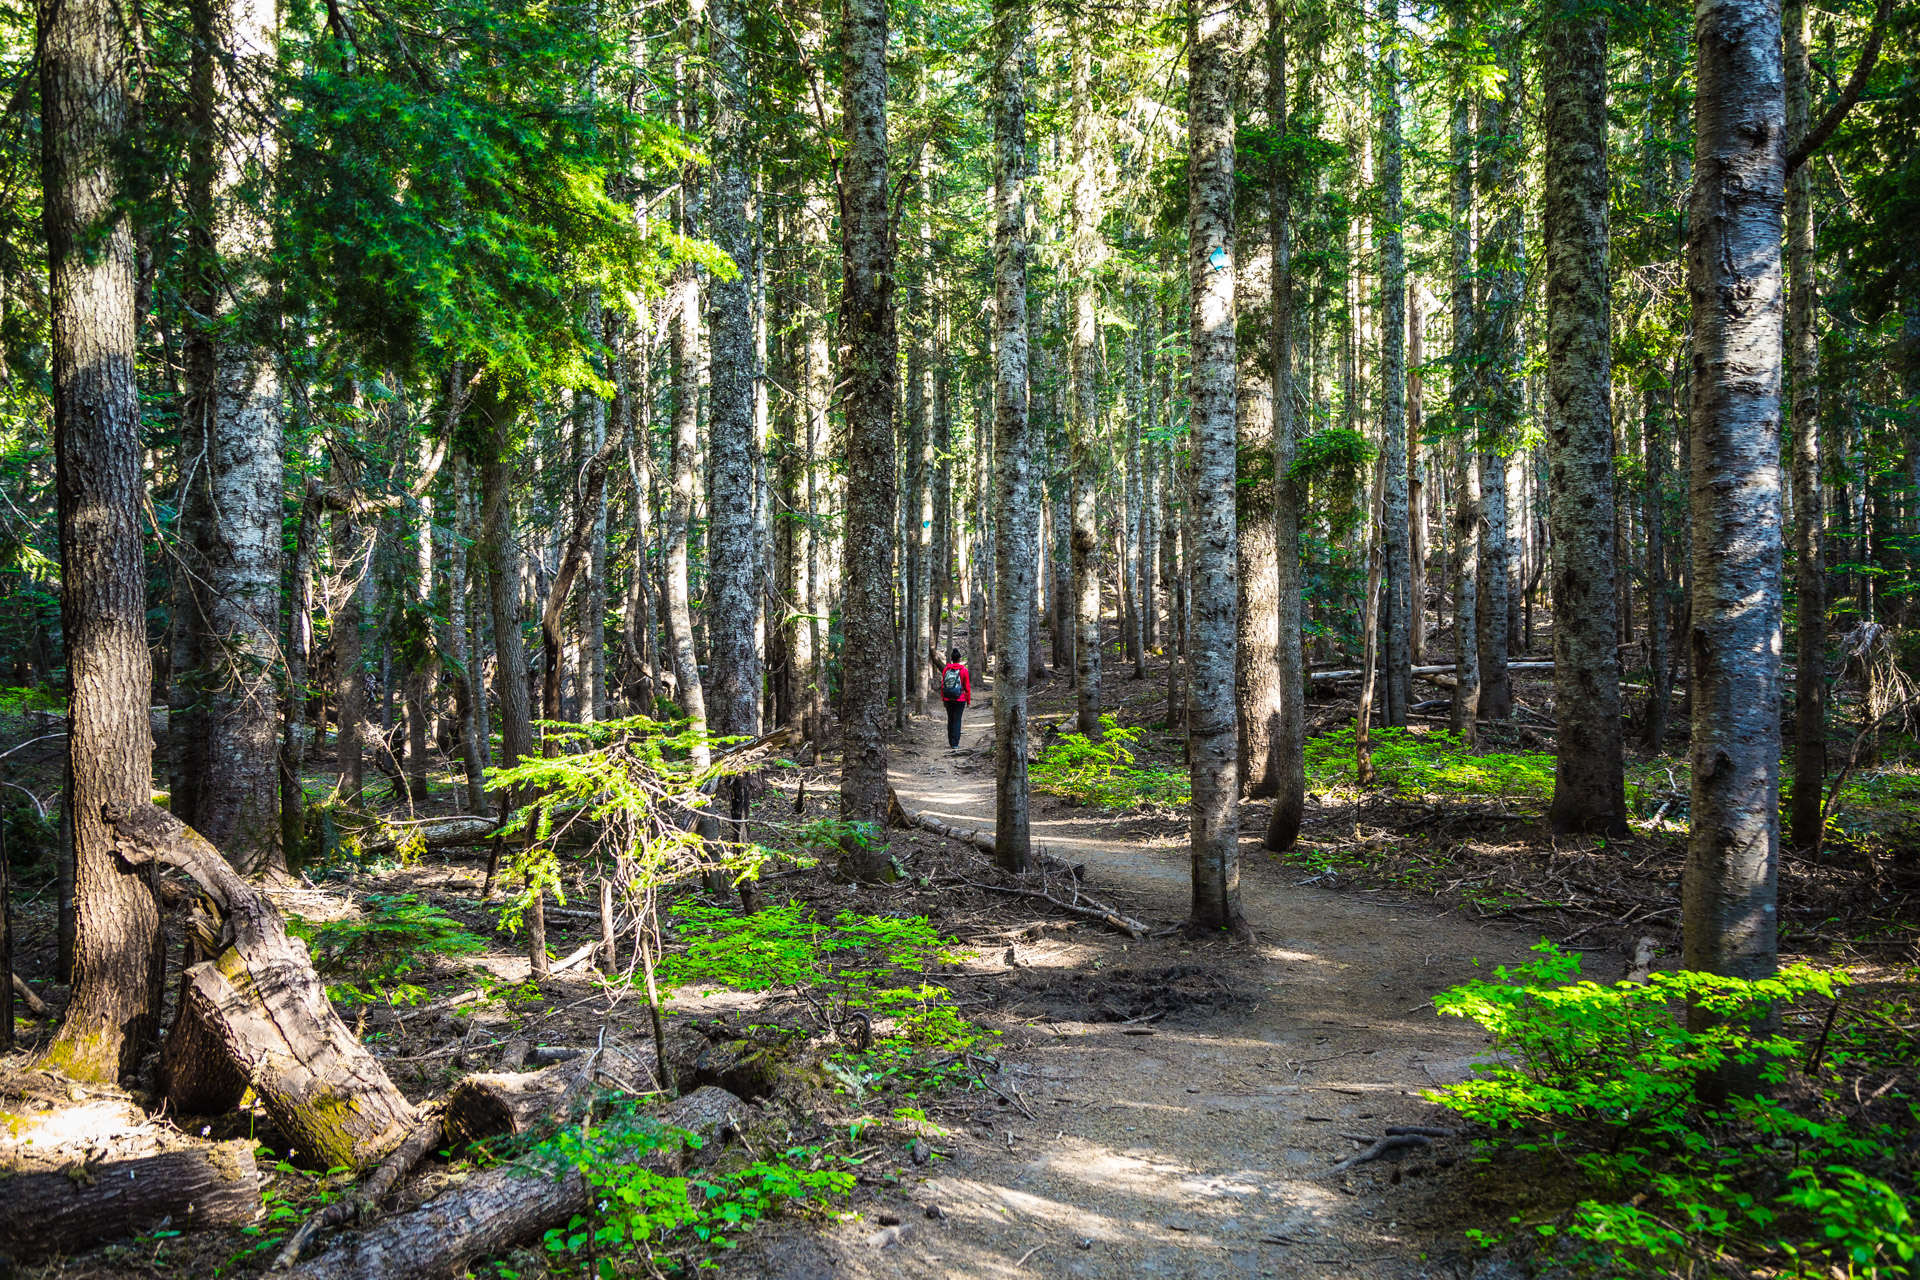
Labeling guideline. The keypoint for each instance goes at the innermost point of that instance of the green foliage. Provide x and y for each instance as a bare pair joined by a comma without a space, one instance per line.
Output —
646,1221
1100,771
1429,764
1332,462
398,936
1609,1077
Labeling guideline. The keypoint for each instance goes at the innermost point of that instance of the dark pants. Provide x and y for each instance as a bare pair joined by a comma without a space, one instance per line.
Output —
953,723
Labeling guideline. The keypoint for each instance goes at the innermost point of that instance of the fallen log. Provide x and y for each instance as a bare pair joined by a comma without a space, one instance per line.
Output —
262,1005
495,1209
509,1102
31,998
1104,914
41,1214
433,833
398,1164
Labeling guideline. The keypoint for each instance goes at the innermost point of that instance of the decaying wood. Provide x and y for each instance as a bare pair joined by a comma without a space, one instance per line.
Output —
493,1210
435,833
28,996
262,1002
508,1102
1092,911
399,1163
41,1214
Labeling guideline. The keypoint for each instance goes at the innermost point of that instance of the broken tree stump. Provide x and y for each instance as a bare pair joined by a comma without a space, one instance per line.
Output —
491,1211
262,1004
42,1214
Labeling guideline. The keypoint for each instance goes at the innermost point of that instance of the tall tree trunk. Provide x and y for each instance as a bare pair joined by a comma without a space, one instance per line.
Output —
1257,687
473,711
119,952
1729,894
1288,749
810,651
235,396
1396,543
1589,791
1502,299
1213,35
691,693
733,695
870,344
1466,519
1417,497
1803,348
1015,527
500,550
1086,451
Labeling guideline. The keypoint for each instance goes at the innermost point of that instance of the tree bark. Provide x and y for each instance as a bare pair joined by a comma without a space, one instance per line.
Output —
234,527
1085,447
48,1214
1589,790
1729,893
119,956
1015,526
1397,540
1213,35
262,1003
870,344
501,550
734,576
1288,749
497,1208
1803,349
1257,686
1502,299
1466,516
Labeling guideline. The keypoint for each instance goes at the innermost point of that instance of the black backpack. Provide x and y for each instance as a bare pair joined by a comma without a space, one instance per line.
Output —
953,685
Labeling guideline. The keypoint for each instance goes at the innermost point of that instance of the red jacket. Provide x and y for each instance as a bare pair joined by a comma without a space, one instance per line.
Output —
966,683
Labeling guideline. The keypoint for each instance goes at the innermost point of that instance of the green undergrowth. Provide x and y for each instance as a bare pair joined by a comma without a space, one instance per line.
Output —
1433,763
1101,771
865,978
1609,1082
645,1222
373,955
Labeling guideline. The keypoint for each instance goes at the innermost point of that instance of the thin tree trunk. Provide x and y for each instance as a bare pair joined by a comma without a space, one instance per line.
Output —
1803,348
1015,527
1213,34
1502,298
1393,388
1729,894
1257,687
1589,791
868,373
734,575
473,712
1417,495
1288,749
501,552
1466,517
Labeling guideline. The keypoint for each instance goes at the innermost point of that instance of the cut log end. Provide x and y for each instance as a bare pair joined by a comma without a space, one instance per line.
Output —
43,1214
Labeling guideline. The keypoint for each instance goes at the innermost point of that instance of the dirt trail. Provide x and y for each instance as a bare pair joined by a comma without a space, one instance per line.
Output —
1198,1150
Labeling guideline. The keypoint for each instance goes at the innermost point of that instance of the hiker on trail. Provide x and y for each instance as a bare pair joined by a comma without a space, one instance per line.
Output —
956,690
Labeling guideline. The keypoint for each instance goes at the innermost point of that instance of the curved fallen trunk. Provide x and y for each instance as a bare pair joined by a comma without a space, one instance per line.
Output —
259,1006
494,1210
43,1214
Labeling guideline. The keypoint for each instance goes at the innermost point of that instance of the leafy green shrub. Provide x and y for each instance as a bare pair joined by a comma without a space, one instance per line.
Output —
652,1222
1100,772
398,936
1607,1076
1433,763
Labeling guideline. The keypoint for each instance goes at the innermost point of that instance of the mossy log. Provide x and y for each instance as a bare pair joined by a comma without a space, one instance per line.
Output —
261,1003
42,1214
494,1210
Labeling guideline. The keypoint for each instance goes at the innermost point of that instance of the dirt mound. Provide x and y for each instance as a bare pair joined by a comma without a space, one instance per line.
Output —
1123,995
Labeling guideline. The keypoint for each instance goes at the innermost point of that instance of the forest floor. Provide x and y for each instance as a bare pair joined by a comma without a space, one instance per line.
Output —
1196,1144
1146,1106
